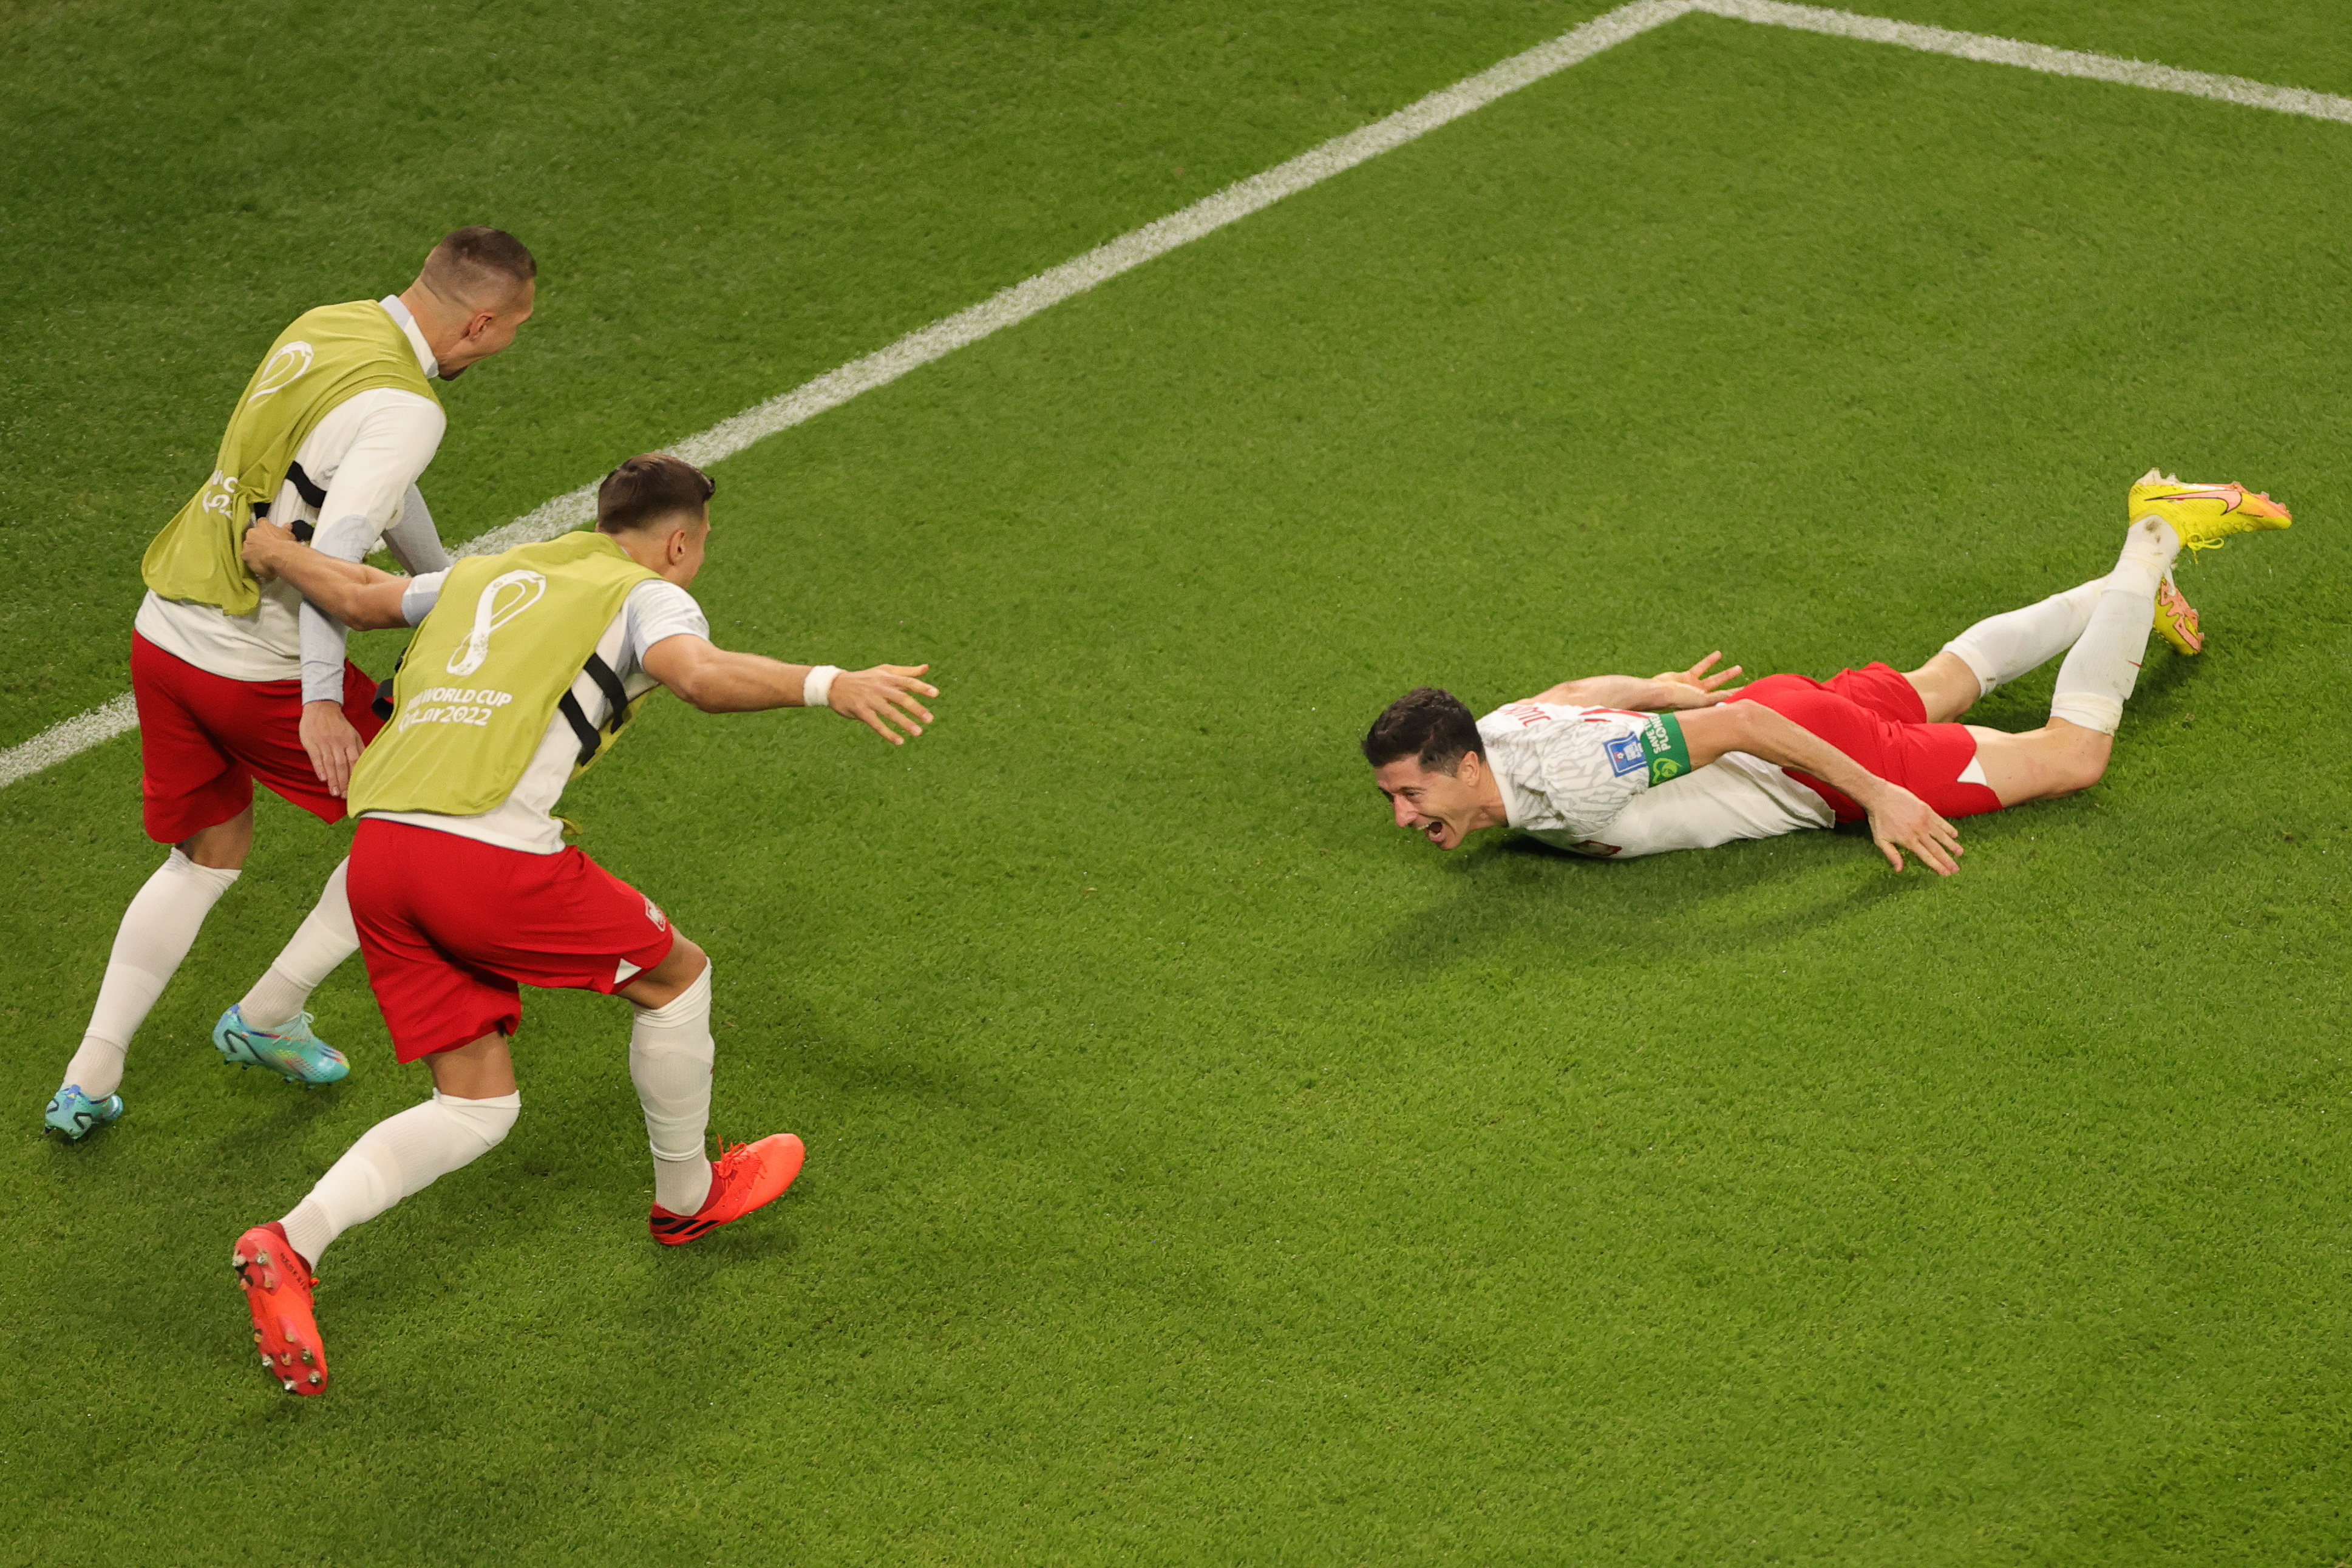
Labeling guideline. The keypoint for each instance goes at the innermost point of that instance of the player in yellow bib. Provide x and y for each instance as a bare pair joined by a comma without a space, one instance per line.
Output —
239,680
524,667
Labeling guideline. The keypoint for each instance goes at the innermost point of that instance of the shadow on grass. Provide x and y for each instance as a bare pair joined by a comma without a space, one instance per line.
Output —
1645,912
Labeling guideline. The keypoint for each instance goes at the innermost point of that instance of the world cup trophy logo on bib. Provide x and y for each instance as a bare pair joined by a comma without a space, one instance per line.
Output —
287,366
490,613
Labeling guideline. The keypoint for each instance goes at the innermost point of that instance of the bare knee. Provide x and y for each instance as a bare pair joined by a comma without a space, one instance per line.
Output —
2080,758
668,980
479,1070
224,845
1947,687
2083,774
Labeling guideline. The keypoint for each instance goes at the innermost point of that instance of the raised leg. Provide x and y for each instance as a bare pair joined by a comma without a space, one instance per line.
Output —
2000,648
1947,685
2071,752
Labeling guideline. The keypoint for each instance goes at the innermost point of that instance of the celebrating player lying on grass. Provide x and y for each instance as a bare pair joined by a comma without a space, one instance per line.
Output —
238,680
524,667
1605,767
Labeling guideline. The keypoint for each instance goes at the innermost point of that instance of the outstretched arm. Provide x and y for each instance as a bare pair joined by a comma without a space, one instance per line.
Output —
1898,818
1663,693
718,681
352,592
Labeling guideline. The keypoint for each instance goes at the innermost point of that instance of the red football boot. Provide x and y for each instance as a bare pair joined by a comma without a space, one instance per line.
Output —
278,1286
741,1179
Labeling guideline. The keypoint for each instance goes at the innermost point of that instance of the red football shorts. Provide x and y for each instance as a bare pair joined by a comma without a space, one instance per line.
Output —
1876,716
452,927
205,738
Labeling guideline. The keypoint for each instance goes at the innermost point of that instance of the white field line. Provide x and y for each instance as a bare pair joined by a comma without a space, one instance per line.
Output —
995,313
1129,251
75,736
1237,201
2033,56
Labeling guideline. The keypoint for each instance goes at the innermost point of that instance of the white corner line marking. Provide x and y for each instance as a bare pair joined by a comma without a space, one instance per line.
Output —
1023,300
2033,56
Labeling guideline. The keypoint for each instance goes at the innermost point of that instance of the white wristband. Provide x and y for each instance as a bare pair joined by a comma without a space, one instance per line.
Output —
817,690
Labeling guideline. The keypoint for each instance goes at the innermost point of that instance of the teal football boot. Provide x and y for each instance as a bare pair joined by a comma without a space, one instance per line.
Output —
76,1115
290,1050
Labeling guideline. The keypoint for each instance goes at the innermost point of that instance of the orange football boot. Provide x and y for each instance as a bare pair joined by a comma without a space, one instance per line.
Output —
742,1179
278,1286
2176,618
2203,514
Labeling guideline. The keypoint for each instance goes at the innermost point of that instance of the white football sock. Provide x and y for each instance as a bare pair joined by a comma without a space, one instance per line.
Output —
671,1058
2003,647
2099,673
156,933
324,939
398,1158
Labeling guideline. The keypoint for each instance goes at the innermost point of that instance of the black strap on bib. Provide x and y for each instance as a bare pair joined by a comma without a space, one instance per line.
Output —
382,704
314,496
591,739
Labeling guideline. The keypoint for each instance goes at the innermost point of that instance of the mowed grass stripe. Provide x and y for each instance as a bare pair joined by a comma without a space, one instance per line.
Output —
1019,302
1012,305
1202,1171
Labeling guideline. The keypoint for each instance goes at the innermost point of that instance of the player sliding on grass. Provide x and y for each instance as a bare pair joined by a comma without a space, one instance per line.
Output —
524,667
1604,767
237,680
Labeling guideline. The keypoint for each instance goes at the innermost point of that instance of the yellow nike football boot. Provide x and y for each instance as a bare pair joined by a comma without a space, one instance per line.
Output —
2204,515
2176,618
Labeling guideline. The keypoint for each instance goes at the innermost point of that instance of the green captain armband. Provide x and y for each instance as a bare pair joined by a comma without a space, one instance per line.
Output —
1662,743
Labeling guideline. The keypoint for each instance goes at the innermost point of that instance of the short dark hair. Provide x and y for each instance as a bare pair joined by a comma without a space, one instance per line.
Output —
652,488
478,263
1434,725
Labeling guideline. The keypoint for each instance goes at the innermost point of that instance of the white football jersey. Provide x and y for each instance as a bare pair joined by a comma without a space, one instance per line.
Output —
1735,797
1566,771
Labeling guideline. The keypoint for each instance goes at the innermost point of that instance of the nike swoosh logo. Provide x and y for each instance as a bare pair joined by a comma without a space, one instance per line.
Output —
2228,498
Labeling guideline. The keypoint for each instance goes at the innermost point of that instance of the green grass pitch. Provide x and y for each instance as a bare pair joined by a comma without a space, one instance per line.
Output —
1200,1170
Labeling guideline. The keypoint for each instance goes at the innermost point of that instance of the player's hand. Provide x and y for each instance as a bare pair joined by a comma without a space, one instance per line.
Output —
1900,820
333,745
1704,690
263,540
885,696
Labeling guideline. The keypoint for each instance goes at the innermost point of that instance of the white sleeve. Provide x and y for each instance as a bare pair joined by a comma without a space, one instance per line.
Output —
412,538
377,474
396,441
657,610
1736,797
324,645
323,636
417,600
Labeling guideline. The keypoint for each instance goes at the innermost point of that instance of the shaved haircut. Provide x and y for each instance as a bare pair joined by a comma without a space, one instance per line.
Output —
477,268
